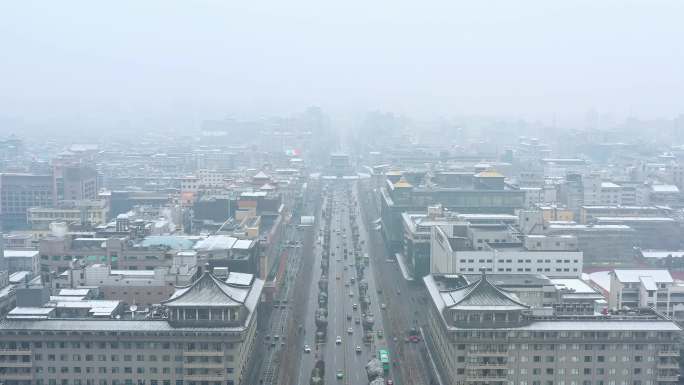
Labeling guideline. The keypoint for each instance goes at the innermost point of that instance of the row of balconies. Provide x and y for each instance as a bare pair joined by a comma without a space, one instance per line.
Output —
16,364
15,352
485,378
204,377
482,365
197,353
668,353
203,365
492,353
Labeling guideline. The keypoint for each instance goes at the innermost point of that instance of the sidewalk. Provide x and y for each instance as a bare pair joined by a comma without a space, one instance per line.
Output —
402,266
432,361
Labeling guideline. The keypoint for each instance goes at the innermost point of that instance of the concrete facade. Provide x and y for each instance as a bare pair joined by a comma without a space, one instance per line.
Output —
186,341
499,252
481,334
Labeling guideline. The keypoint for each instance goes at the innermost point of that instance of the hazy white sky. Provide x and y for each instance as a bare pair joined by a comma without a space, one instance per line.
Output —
143,59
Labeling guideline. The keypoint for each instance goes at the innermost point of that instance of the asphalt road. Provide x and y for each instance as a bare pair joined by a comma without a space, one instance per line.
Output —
341,357
270,356
407,305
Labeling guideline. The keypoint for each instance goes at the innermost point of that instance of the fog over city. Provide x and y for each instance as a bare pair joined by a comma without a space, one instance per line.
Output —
341,193
173,63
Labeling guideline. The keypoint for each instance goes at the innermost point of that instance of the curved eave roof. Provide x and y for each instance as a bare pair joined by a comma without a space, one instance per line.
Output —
402,183
208,291
482,295
489,174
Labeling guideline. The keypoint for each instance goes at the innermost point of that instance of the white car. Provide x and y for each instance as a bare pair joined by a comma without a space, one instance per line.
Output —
307,349
358,349
350,330
338,340
383,306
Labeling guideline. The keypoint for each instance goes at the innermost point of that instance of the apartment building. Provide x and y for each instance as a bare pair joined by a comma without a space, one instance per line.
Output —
482,334
643,288
203,335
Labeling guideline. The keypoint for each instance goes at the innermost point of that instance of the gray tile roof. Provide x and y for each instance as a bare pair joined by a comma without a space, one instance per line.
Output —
482,295
208,291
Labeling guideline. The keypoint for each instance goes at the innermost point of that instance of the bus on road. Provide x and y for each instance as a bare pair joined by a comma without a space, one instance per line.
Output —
383,356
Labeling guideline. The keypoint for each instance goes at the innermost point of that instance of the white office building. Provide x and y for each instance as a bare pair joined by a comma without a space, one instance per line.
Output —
463,250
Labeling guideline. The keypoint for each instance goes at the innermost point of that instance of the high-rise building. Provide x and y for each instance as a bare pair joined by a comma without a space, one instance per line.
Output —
482,334
18,193
72,182
204,334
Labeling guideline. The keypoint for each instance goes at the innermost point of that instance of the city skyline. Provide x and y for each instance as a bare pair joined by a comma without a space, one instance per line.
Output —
174,64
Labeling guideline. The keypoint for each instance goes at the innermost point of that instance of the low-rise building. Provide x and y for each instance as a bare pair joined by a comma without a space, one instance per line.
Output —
643,288
240,255
666,195
21,260
575,290
649,232
58,252
599,243
88,212
671,259
589,213
133,287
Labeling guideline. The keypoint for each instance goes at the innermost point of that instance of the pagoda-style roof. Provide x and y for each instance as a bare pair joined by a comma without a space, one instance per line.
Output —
482,295
261,175
208,291
489,174
402,183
